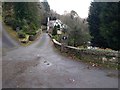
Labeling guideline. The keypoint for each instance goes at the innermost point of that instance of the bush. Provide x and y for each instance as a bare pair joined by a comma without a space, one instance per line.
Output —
21,34
31,33
33,26
54,30
8,20
15,24
71,42
56,37
31,38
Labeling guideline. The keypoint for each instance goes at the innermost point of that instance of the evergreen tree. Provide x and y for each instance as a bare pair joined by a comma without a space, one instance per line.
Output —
27,11
47,11
109,25
103,24
26,15
46,6
94,24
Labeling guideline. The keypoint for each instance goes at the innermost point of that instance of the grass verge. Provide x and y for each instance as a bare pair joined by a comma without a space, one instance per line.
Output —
11,32
14,36
88,60
0,18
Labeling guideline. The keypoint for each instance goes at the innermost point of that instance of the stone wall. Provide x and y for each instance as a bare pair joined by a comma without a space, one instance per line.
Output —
101,57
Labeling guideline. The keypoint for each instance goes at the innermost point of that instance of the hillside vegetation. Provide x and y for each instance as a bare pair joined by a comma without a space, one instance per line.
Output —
25,18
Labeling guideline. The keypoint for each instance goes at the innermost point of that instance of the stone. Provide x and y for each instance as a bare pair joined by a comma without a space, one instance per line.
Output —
73,80
104,59
93,64
113,58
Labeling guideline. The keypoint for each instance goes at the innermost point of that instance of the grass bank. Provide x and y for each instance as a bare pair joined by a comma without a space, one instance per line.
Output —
0,18
14,35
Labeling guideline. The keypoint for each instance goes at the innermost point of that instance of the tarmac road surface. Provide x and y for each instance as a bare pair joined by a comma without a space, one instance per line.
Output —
40,65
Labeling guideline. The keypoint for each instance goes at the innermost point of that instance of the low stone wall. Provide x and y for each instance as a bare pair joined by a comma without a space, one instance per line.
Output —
101,57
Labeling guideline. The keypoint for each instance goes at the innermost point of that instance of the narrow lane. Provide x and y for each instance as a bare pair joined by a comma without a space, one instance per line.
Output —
41,66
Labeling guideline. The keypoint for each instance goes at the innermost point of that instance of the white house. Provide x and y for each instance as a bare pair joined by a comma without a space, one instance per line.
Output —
52,23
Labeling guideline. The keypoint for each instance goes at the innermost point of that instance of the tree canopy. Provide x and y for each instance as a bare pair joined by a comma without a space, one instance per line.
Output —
104,24
26,15
77,30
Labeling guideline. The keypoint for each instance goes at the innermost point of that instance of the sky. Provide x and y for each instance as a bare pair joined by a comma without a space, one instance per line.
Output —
80,6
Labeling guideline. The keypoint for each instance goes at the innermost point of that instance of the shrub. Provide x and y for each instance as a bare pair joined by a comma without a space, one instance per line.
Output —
54,30
21,34
31,33
56,37
31,38
8,20
33,26
15,24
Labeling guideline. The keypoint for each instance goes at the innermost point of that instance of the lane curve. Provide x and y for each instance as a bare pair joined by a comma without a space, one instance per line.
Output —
40,65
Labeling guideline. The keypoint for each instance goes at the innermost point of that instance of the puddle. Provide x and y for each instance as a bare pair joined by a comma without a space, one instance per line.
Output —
47,63
44,60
